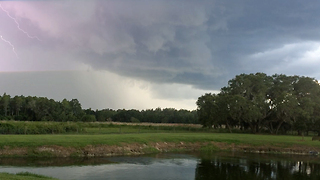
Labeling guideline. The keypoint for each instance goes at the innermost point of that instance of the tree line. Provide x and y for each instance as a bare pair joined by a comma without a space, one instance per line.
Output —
258,102
32,108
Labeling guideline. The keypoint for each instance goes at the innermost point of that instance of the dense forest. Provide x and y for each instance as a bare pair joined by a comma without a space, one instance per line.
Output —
258,102
30,108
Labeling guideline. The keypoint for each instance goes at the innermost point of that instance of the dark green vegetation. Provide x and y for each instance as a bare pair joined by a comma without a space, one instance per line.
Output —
45,127
21,127
23,176
29,108
261,103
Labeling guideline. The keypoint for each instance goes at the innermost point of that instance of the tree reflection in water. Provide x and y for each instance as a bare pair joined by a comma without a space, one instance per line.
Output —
240,168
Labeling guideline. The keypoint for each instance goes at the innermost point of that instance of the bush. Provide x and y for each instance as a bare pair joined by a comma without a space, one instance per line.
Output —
19,127
88,118
7,128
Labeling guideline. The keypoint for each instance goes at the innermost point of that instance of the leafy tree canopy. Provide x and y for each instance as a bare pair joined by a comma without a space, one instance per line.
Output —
258,101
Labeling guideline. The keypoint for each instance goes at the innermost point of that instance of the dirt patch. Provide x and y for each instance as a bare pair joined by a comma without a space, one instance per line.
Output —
8,151
136,149
56,151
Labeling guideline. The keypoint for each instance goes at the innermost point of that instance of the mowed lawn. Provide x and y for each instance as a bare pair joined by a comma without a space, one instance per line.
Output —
81,140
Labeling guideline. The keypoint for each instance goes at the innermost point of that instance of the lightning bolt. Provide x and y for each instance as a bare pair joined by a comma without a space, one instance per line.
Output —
18,25
10,45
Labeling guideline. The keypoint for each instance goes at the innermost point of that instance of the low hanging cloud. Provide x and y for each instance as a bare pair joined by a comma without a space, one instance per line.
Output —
98,90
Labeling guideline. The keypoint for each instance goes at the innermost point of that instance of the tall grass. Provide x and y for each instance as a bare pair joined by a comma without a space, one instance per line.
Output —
20,127
31,127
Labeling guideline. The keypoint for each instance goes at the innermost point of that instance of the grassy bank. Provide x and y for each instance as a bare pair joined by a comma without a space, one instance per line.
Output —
79,144
81,140
23,176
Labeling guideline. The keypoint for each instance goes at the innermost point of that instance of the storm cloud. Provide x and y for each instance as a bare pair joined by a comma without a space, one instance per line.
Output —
164,45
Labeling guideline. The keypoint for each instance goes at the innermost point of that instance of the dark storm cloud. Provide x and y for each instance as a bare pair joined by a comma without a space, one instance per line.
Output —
164,41
198,42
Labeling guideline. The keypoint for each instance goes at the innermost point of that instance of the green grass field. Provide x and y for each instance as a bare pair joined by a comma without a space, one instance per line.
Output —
81,140
120,134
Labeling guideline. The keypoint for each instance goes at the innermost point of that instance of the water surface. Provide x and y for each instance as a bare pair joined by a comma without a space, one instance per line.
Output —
172,166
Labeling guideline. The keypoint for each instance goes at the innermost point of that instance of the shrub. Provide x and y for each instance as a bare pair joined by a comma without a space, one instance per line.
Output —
89,118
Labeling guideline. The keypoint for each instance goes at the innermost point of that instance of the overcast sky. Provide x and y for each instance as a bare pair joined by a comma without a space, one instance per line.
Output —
145,54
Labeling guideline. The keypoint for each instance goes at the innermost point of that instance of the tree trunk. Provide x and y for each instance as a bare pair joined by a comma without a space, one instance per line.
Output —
253,128
278,127
299,133
270,127
229,127
257,128
5,111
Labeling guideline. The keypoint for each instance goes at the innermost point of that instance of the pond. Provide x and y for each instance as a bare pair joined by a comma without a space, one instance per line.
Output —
194,166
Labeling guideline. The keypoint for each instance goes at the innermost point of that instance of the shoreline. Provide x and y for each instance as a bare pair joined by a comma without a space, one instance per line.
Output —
104,145
152,147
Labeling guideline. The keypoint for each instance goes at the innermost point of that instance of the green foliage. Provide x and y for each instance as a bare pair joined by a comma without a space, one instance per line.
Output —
262,102
16,127
7,128
134,120
43,109
5,101
43,127
208,110
88,118
111,128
